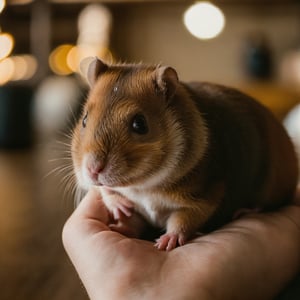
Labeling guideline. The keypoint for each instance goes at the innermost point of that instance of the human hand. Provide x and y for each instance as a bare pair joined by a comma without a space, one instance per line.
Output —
251,258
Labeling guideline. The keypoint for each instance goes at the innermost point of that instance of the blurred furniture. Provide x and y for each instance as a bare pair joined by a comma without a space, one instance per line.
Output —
279,99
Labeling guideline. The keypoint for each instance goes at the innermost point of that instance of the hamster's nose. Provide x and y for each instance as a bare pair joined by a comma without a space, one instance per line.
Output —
94,167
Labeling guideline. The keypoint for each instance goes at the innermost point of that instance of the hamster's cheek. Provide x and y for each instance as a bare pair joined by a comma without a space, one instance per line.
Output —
82,180
86,179
88,171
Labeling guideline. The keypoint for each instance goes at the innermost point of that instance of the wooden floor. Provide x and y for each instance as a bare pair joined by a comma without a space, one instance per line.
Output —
33,209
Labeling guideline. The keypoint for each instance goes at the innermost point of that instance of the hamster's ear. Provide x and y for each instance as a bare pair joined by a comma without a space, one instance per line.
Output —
167,81
91,68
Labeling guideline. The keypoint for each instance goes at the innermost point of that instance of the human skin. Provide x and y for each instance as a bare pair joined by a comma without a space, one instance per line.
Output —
253,257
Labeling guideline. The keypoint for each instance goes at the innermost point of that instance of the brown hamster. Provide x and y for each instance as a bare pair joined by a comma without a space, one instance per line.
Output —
185,157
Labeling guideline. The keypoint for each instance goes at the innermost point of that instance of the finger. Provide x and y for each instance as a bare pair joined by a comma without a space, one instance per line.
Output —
90,217
92,207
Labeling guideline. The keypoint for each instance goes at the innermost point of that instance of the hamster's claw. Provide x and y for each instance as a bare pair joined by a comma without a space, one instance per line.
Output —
121,208
120,211
169,241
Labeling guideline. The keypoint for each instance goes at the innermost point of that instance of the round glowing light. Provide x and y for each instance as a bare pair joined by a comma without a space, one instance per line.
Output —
58,60
204,20
25,67
20,67
72,59
32,66
94,25
6,44
7,69
78,53
2,5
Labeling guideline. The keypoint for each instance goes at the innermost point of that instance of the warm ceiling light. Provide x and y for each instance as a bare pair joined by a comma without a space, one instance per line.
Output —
6,44
204,20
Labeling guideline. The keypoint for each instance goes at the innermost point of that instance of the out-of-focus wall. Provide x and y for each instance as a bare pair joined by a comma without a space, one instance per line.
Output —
155,33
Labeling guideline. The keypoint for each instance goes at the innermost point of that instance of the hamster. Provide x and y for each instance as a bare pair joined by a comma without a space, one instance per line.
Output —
180,156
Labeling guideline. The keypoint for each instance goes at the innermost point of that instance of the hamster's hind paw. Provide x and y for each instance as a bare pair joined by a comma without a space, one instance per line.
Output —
169,241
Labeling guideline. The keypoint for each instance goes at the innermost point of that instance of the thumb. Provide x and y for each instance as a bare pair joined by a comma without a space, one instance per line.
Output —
92,207
90,217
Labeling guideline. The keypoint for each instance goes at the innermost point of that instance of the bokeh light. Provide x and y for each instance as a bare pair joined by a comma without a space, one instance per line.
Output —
204,20
58,60
25,66
7,69
2,5
6,44
78,53
20,67
94,26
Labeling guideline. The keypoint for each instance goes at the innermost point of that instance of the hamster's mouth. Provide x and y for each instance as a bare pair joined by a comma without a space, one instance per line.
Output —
108,177
103,181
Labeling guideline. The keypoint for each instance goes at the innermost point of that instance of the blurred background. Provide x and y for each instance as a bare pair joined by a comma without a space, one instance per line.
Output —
253,45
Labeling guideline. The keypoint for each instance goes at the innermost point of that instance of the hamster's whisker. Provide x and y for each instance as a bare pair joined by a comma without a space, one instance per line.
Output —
73,119
58,170
79,193
67,152
64,143
69,184
67,135
60,159
71,187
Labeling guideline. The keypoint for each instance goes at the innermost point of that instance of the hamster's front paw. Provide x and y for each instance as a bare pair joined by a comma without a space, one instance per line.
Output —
169,241
119,206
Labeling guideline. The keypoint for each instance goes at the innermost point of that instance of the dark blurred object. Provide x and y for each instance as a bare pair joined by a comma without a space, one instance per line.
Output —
292,291
258,57
15,116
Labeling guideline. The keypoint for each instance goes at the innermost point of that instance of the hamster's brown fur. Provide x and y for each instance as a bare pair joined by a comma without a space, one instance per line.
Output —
184,156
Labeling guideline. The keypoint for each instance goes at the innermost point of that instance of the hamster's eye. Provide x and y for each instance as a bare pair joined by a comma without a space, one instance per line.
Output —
84,120
139,124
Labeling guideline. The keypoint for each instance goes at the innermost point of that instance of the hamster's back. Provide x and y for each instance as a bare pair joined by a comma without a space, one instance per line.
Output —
248,147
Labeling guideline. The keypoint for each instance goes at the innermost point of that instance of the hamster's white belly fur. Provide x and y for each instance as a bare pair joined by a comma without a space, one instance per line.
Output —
154,207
